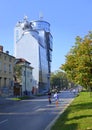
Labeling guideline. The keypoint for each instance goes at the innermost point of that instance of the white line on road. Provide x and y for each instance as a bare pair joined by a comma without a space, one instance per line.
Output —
37,107
3,121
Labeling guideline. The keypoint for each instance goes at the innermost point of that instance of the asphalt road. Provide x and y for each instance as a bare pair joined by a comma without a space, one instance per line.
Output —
33,114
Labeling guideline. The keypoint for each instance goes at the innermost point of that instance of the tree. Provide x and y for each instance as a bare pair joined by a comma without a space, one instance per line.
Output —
78,65
17,72
58,80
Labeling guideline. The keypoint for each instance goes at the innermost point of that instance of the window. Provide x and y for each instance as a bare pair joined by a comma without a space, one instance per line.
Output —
24,72
5,69
0,81
31,72
10,59
10,82
10,68
5,82
4,57
0,65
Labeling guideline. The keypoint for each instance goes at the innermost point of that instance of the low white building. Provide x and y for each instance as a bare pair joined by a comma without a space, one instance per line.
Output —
26,78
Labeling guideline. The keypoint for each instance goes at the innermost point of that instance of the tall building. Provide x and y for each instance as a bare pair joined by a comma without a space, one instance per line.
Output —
33,42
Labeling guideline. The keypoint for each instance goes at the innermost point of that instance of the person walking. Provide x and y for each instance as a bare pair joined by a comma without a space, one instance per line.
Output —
56,98
49,97
74,91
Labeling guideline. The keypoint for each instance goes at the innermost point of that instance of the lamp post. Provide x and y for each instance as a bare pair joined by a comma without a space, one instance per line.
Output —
48,81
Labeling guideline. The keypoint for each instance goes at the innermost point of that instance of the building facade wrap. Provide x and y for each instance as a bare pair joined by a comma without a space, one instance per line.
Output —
33,41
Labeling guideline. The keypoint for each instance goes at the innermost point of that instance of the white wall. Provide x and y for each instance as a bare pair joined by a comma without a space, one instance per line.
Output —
28,84
28,48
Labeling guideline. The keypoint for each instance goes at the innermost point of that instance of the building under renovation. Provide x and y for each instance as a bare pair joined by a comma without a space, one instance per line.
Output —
33,42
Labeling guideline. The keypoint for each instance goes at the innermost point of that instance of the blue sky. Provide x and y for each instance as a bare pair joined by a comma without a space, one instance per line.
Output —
68,19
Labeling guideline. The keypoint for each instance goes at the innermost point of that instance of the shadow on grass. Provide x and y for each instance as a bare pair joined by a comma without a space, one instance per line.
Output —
79,117
73,126
82,106
70,119
61,124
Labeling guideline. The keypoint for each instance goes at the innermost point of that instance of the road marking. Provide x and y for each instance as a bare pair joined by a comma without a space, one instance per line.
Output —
3,121
37,107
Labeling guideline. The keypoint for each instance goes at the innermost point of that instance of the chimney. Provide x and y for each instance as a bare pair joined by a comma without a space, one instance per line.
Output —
1,48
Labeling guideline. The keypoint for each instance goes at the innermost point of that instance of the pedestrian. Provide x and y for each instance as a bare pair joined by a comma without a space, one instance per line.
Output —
56,98
49,97
74,91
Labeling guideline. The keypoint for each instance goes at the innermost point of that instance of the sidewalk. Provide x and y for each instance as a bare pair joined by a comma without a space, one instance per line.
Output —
6,101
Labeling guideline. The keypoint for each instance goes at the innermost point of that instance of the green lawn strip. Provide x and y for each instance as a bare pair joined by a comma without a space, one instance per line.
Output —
21,98
15,99
78,116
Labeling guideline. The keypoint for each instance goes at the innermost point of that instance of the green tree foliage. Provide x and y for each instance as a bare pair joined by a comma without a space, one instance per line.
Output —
58,80
78,64
17,71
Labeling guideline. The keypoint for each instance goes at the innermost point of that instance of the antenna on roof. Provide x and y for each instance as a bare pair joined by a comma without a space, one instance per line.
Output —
40,16
25,18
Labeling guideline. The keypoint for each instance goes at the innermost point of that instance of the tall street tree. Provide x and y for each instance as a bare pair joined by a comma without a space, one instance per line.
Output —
78,64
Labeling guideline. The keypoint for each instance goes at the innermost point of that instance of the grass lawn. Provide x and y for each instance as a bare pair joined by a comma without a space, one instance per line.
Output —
21,98
78,116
